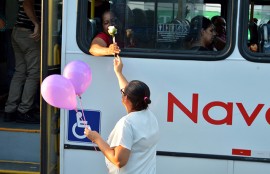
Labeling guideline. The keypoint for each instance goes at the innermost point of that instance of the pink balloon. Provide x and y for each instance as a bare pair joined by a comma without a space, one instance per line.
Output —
79,73
59,92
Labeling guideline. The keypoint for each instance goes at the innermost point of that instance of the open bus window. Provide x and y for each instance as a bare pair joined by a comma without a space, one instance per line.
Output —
160,25
259,28
255,42
146,28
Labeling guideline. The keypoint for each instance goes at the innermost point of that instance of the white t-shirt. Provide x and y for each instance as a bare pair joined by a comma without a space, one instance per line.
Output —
138,132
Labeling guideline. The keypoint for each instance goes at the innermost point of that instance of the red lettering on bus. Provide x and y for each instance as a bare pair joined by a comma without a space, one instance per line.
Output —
227,106
249,119
267,116
192,115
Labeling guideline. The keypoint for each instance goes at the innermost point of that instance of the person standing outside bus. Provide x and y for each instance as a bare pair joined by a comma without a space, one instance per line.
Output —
25,81
131,146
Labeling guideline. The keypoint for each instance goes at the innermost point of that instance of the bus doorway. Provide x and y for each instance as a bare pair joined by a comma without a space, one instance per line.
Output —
26,147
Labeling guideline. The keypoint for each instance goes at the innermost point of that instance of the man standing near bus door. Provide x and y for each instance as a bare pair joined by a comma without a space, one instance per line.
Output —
26,45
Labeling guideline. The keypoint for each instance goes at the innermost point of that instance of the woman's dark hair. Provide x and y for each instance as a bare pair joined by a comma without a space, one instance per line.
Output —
106,11
138,94
196,24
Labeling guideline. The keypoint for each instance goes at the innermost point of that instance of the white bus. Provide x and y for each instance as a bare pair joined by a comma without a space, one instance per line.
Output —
212,106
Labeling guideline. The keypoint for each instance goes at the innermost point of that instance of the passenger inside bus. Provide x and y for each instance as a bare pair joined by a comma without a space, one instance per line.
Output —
220,27
253,28
264,42
201,34
140,33
102,44
100,7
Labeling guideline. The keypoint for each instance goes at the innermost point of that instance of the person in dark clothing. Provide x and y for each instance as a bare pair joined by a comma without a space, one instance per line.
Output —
254,38
220,28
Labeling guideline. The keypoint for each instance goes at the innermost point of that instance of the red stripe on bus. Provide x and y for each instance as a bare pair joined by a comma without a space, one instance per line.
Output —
242,152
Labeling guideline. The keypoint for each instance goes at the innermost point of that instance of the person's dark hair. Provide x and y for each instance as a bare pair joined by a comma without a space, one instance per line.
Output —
139,94
106,11
196,24
214,18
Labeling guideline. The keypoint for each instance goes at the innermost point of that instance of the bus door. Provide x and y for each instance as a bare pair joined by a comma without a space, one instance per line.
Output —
30,148
51,64
20,143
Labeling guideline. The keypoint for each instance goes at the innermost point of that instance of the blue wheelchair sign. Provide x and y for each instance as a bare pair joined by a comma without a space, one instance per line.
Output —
76,124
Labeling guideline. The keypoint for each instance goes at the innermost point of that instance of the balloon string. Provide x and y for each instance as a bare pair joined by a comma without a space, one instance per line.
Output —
80,99
84,121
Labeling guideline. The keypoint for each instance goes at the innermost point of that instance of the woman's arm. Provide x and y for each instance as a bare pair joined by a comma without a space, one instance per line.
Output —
99,48
118,67
118,156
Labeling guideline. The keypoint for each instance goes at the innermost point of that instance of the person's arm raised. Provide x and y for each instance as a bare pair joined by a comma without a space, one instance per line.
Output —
118,67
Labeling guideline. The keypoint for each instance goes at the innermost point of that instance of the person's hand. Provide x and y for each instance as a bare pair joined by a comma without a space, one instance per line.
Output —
253,47
36,34
114,49
117,65
91,135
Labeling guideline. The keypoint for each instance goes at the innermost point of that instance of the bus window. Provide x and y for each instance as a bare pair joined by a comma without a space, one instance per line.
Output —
150,27
254,43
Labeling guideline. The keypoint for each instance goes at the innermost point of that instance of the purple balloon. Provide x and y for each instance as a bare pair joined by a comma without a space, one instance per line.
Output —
59,92
79,73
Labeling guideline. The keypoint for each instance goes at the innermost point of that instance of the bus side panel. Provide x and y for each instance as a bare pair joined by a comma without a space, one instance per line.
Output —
225,81
175,165
237,83
93,162
241,167
84,162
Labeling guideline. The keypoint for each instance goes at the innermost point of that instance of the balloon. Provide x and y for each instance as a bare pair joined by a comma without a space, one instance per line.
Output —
79,73
59,92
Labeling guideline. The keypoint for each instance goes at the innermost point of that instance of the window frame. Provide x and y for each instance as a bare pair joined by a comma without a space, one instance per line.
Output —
83,38
83,29
243,41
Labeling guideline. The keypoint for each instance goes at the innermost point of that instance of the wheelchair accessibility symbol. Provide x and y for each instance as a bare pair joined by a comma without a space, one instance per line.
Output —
77,124
80,124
